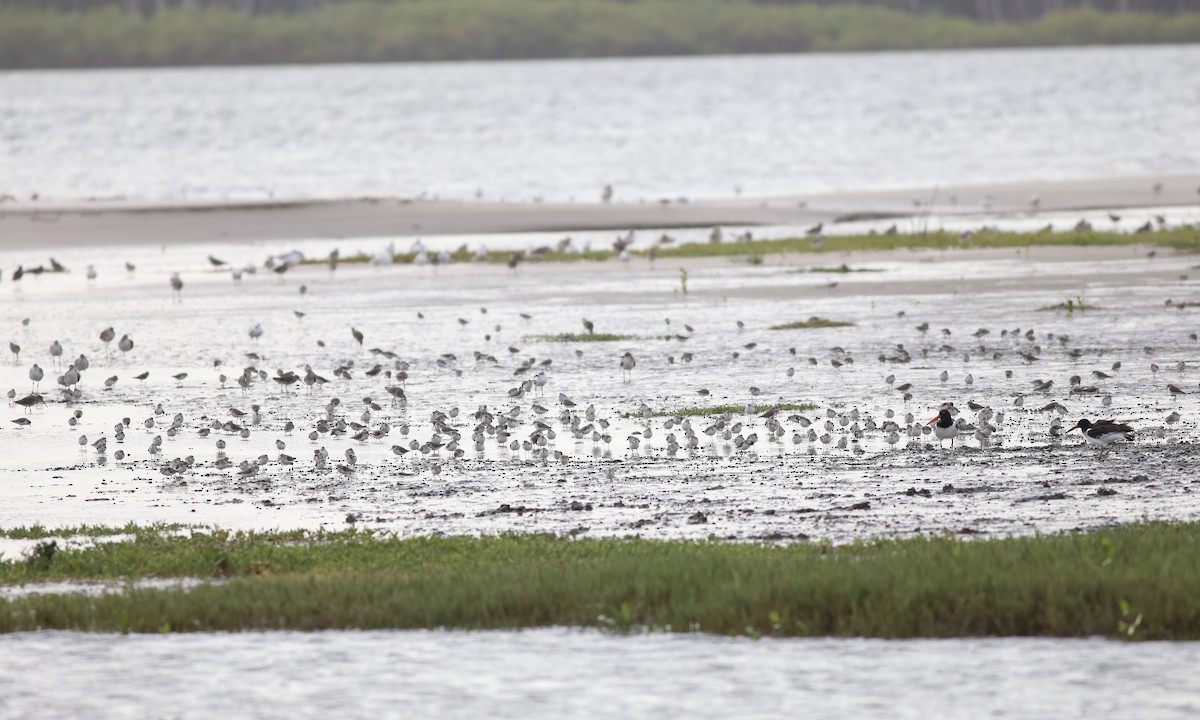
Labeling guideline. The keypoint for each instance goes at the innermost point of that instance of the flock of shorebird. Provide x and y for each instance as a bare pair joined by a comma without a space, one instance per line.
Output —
532,431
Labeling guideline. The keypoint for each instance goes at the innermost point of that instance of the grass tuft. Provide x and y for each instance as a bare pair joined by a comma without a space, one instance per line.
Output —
840,269
812,323
578,337
1070,306
735,409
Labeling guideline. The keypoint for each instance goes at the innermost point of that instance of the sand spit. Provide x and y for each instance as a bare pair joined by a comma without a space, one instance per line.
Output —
115,222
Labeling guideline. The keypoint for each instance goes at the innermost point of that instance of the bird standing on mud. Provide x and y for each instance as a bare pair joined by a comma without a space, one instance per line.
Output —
1103,433
945,427
627,364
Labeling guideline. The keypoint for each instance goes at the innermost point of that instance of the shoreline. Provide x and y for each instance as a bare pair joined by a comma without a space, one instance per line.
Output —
25,224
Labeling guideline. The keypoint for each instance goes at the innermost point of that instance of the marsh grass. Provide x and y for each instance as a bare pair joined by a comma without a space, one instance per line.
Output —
1070,306
1140,577
1181,239
840,269
578,337
812,323
734,409
1184,239
37,532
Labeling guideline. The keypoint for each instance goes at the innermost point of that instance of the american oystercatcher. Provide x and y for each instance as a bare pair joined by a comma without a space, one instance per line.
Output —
945,428
1103,433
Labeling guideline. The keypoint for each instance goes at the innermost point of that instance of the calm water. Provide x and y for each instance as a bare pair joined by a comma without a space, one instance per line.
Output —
567,674
562,129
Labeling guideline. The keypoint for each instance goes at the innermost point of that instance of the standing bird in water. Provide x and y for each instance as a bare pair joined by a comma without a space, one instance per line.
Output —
177,286
627,364
945,429
36,374
358,336
1103,433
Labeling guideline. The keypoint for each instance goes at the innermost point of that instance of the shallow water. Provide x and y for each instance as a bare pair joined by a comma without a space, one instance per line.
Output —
660,127
788,486
557,673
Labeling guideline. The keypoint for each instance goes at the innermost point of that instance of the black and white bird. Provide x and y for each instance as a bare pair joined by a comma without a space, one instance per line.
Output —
1103,433
945,429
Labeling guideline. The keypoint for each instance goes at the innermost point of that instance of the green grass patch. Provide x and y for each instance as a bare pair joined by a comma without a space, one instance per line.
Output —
840,269
812,323
1182,239
1129,581
578,337
735,409
1070,306
38,532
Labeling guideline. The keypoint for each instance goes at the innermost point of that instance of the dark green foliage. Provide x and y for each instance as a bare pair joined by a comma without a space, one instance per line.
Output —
212,32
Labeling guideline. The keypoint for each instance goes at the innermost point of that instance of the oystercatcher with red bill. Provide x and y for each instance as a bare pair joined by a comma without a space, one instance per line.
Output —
946,429
1103,433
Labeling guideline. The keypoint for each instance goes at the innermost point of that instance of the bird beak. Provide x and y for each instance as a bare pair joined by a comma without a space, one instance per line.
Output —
1075,427
939,417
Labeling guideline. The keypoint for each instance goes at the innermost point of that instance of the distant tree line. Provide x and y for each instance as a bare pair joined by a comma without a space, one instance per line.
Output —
139,33
978,10
1012,10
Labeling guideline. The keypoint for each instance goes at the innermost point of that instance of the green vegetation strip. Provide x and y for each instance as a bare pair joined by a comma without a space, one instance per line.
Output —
34,34
578,337
840,269
1137,581
734,409
812,323
1183,239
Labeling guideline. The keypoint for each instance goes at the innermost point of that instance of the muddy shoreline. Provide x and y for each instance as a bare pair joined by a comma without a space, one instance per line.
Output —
50,224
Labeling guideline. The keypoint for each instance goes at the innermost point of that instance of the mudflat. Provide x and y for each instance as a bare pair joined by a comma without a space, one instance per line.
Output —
31,223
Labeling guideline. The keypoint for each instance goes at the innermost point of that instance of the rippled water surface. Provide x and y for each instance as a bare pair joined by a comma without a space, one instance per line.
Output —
559,673
562,129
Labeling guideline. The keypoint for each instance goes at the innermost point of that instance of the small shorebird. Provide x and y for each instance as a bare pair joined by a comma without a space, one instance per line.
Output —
29,401
36,374
177,286
627,364
1103,433
945,427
